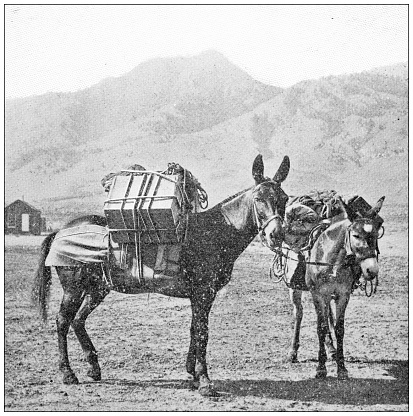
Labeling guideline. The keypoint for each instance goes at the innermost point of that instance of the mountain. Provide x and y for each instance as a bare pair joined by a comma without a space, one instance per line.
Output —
351,130
347,133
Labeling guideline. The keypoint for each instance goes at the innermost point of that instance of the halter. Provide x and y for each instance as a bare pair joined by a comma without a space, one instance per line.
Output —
261,227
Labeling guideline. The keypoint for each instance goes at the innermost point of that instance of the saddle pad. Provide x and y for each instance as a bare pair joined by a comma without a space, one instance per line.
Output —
79,245
295,269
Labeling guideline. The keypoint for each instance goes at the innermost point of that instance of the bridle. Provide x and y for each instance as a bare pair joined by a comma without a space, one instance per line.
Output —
261,227
349,250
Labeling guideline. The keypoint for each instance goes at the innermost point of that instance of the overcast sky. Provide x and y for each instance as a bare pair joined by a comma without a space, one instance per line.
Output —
64,48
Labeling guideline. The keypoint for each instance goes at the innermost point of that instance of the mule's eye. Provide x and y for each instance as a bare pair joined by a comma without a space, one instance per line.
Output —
356,236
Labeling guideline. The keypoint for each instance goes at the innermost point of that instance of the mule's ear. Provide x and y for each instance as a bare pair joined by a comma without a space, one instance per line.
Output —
258,169
283,170
351,215
375,210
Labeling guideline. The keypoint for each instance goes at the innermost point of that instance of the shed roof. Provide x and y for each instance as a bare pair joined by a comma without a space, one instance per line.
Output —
24,203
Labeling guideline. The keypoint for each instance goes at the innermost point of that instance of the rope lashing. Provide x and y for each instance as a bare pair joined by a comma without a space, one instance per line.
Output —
176,168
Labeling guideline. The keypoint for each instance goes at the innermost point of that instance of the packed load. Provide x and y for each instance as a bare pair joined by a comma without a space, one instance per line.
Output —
151,207
306,217
147,215
303,214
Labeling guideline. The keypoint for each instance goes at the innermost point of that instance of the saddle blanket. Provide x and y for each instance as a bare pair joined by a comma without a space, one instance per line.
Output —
84,244
79,245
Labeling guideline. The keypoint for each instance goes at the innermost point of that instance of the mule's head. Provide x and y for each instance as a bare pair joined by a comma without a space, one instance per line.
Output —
362,239
269,201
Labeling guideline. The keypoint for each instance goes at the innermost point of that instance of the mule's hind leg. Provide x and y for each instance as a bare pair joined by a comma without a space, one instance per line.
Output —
70,278
295,296
96,292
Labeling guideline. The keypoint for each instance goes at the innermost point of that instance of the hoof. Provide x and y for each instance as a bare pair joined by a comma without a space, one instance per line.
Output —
191,383
291,357
70,378
320,374
95,374
342,374
208,391
206,388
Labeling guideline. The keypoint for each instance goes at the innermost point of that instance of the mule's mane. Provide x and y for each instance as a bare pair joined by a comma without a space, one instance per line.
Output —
230,198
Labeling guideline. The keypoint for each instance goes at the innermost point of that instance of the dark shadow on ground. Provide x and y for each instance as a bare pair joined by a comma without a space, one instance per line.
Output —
354,391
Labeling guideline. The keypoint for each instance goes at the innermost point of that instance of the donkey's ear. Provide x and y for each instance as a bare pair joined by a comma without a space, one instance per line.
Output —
258,169
283,170
375,210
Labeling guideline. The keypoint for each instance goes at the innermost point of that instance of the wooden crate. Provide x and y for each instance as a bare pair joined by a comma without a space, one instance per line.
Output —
144,207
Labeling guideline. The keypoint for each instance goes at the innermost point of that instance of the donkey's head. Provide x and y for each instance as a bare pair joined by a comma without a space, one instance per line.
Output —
269,201
362,238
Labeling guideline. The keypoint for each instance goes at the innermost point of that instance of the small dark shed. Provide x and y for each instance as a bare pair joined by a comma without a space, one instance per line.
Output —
22,218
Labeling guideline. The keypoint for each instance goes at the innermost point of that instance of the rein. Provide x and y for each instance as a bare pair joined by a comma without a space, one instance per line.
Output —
313,263
273,217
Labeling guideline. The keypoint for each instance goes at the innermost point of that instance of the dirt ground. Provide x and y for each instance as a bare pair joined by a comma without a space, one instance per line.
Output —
142,342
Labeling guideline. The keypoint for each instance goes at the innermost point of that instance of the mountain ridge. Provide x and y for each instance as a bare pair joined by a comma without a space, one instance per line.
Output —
213,118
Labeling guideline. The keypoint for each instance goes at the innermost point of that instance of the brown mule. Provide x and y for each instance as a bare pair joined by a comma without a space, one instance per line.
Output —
215,239
347,249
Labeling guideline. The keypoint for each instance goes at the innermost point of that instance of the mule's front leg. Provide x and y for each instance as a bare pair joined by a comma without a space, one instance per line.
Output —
191,359
295,296
341,305
201,306
322,329
329,338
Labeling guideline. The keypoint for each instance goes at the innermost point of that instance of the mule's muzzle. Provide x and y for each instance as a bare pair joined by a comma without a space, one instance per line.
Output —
273,232
370,268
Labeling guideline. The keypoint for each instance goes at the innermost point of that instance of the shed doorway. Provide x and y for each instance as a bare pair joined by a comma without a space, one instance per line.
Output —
25,222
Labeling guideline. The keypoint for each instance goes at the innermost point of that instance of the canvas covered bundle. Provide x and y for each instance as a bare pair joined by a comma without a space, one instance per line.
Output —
299,221
79,245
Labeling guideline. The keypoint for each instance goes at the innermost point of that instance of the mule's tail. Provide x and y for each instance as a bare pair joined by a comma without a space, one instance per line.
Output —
43,279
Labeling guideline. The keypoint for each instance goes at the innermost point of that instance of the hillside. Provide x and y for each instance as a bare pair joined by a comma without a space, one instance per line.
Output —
347,132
